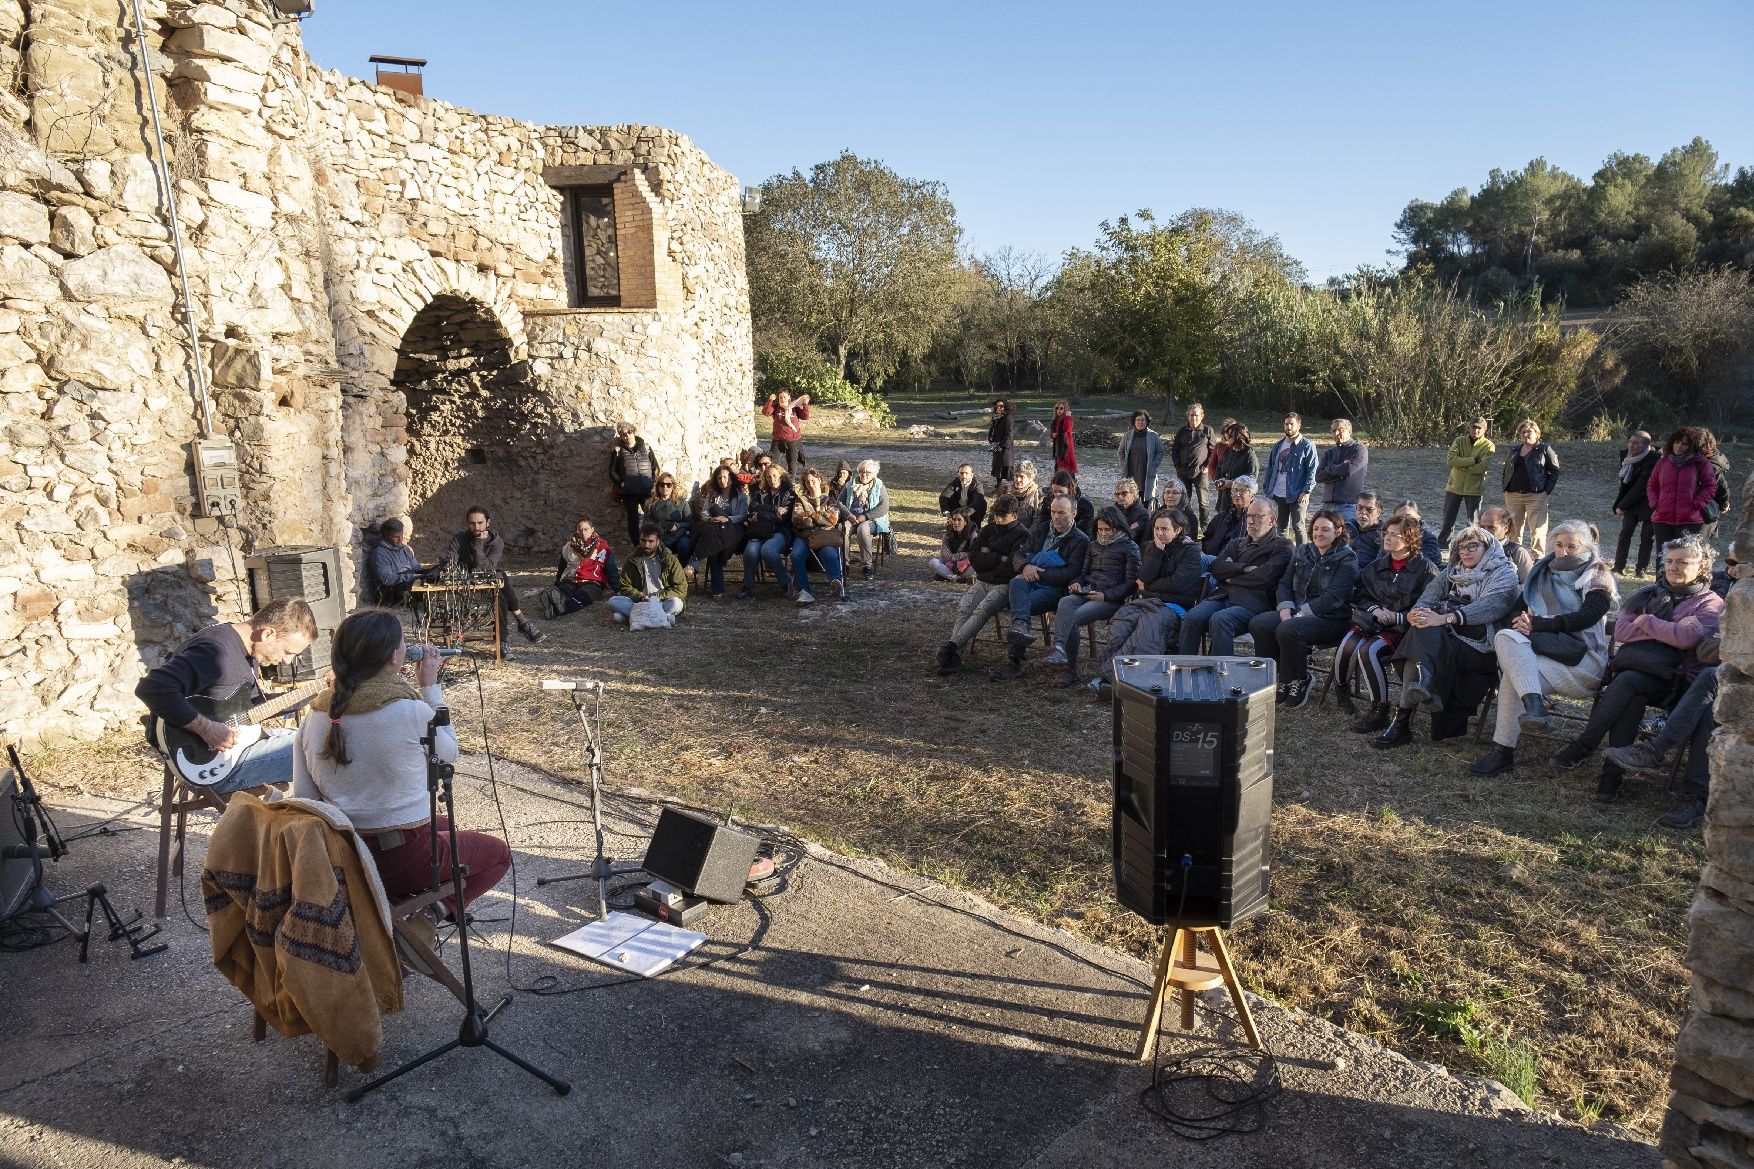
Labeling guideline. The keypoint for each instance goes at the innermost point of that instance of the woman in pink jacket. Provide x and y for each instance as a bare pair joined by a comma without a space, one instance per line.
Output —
1681,485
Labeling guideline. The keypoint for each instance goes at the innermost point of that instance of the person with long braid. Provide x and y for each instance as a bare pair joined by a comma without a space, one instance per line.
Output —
359,749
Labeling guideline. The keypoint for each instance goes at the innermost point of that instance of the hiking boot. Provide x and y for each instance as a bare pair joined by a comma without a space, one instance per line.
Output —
1608,786
949,659
1346,703
1298,692
1688,815
1398,733
1494,762
1055,657
804,598
1571,755
1009,672
1535,715
1374,720
870,573
1019,638
1636,757
531,634
1067,680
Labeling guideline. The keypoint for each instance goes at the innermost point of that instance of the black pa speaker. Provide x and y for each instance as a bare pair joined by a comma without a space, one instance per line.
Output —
700,856
1193,755
313,575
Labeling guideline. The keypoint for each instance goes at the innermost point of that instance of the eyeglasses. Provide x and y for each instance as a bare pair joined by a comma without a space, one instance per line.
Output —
1471,546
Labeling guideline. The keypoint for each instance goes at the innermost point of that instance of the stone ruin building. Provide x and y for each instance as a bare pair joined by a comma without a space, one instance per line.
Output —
404,308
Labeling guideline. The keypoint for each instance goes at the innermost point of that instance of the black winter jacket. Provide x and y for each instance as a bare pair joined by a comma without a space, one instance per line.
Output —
950,499
1138,523
1381,586
1110,570
1172,574
1226,526
1248,571
1074,549
1324,583
1632,498
997,551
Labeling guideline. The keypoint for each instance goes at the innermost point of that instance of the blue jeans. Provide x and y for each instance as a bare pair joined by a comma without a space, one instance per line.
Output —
829,558
267,760
769,552
1222,619
620,607
1028,598
1348,511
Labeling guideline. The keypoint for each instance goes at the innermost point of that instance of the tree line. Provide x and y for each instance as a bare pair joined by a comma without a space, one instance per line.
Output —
858,281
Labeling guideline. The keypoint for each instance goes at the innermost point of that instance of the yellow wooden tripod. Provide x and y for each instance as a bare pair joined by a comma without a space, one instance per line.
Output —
1190,970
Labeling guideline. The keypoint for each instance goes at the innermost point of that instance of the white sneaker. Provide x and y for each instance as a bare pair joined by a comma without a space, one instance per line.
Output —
804,597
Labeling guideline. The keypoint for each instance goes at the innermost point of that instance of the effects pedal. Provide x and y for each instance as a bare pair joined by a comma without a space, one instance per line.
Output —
667,903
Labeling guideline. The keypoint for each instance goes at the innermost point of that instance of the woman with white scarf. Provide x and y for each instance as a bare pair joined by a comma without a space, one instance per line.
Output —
1446,655
1557,644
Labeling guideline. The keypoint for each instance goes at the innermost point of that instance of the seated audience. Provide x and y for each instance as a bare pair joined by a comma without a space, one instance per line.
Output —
1024,488
1389,586
719,516
675,519
652,572
1495,518
1446,653
393,565
1248,572
963,492
867,504
1055,557
585,571
1364,529
1558,642
1110,571
1138,516
1314,605
995,554
478,548
1066,483
1428,545
767,531
1657,635
1227,522
1174,497
818,520
837,482
1168,586
951,562
372,765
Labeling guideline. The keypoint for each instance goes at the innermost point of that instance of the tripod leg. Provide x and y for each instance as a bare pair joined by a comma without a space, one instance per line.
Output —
354,1096
1222,954
561,1087
1154,1012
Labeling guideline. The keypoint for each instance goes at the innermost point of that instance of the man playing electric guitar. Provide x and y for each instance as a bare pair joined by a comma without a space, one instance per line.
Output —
218,669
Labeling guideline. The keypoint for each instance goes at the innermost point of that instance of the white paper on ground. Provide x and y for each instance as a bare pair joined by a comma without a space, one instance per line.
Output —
633,943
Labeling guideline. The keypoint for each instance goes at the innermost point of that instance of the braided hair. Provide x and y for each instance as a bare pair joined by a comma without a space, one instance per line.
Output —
362,648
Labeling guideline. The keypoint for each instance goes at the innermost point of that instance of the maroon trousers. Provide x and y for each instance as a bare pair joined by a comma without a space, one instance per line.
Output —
406,869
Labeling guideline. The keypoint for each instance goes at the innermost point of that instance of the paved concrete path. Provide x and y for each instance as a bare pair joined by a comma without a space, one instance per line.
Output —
858,1018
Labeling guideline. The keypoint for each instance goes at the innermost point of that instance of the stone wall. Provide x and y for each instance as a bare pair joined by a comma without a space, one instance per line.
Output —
1710,1123
347,246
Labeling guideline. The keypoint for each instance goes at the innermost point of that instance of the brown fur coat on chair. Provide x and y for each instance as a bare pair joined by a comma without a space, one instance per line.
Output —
300,922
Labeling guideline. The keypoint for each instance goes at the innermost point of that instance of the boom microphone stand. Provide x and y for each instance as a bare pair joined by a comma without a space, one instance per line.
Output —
473,1032
601,868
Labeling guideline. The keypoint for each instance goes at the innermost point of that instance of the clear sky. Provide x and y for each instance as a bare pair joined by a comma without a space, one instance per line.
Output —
1317,121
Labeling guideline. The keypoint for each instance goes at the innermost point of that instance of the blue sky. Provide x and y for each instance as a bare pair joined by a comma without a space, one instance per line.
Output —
1318,122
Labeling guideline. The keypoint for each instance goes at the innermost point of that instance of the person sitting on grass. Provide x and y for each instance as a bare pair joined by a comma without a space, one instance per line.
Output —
1556,644
1446,656
652,572
1168,586
767,533
1314,605
963,492
1137,514
1055,557
1110,573
1248,572
951,562
1066,483
1657,636
817,520
584,572
1388,588
1228,523
1364,529
867,502
1495,518
995,554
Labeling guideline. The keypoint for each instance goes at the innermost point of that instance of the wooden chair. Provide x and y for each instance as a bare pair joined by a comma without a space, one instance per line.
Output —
176,800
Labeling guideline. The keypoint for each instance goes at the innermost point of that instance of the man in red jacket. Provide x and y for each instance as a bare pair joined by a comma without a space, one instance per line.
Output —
788,436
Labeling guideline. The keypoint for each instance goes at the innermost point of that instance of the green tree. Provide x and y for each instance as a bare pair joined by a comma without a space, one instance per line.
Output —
1684,333
854,261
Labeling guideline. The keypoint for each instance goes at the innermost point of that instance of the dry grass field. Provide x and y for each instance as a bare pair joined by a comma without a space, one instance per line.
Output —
1509,926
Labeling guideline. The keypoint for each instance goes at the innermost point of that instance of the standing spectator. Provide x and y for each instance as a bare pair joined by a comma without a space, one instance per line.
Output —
1248,571
788,414
1111,570
996,554
999,441
1315,605
1141,453
1496,519
673,516
1341,470
1531,472
767,533
1234,459
1191,452
633,469
1720,465
1468,457
651,573
1290,471
1138,515
1631,503
1682,485
1055,558
962,492
818,519
585,572
1064,443
720,512
867,503
951,563
1364,531
393,566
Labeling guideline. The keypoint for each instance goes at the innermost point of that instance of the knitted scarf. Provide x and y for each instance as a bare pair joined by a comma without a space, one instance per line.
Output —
1557,584
374,693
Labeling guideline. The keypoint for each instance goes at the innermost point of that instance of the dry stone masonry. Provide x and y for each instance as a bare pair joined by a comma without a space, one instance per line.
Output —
384,291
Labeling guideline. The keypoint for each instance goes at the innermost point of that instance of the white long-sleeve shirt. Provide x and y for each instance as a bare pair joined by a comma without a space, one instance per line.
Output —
384,786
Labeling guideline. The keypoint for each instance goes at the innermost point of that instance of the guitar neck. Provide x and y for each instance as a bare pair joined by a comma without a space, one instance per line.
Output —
263,711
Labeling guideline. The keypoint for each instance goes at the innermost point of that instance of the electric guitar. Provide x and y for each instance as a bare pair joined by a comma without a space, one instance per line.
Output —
189,753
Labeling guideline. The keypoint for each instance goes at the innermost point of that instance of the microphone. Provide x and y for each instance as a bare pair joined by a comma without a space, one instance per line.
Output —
566,684
416,652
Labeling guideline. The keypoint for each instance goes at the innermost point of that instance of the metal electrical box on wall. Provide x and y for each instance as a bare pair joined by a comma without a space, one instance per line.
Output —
218,490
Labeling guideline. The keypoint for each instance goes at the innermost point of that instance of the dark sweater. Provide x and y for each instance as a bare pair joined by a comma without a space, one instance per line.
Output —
993,553
475,555
1226,526
1248,571
213,664
1341,470
1074,548
1596,604
950,499
1172,574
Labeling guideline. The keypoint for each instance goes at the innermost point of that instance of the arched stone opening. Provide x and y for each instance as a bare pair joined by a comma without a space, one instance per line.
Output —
481,431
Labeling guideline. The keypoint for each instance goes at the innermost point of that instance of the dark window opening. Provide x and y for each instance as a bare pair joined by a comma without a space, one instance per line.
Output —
595,268
475,456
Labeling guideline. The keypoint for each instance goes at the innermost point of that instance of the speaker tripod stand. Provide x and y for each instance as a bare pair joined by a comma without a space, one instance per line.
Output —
1184,967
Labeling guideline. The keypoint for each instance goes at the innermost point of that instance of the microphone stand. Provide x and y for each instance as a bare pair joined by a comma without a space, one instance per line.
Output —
473,1031
601,868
